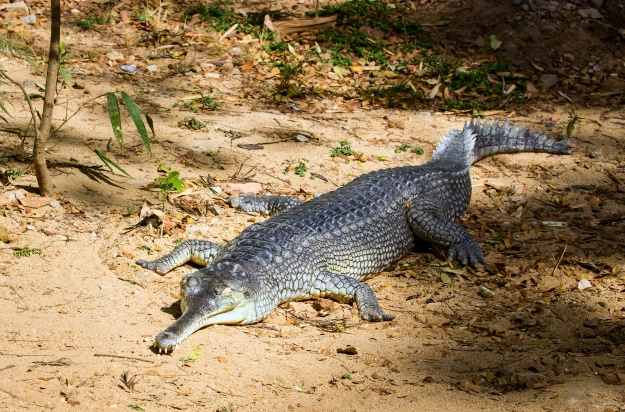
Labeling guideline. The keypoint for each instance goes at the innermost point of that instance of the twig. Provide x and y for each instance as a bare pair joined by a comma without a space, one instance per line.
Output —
559,260
106,355
30,104
7,367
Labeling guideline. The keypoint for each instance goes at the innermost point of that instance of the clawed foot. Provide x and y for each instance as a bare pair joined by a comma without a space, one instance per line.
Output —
467,252
152,265
373,315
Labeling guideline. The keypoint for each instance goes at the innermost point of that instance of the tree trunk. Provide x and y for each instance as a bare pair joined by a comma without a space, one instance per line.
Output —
39,151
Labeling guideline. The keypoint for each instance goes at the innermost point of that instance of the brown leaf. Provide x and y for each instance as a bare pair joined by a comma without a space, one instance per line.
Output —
35,202
247,65
236,189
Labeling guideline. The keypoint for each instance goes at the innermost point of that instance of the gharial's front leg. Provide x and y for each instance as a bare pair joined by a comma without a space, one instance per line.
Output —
200,252
346,288
461,246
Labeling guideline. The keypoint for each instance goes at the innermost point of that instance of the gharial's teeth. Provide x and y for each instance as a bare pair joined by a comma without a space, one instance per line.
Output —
166,350
160,349
176,346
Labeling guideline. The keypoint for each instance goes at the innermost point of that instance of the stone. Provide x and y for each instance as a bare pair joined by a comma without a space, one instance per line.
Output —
549,80
590,14
568,57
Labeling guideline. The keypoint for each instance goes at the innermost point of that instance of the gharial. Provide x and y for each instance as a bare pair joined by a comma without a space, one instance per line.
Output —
327,246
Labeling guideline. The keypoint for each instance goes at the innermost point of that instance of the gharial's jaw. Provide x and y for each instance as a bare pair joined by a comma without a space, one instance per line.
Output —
193,319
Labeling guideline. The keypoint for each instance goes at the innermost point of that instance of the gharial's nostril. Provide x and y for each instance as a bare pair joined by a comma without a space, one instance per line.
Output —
192,282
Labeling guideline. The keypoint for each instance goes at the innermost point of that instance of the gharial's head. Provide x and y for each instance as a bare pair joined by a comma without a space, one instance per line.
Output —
215,294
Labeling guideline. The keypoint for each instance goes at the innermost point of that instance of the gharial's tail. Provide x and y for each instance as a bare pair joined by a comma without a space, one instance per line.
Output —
493,139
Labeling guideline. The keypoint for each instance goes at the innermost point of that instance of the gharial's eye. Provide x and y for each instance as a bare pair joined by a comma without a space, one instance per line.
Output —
192,282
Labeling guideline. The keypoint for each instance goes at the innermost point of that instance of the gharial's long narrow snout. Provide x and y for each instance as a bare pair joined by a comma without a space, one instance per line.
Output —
206,300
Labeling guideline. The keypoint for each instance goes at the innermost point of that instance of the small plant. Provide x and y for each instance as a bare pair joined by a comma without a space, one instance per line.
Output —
170,183
299,170
574,120
459,104
26,252
100,19
345,149
417,150
135,407
191,123
14,173
205,101
64,62
403,148
219,14
288,70
382,158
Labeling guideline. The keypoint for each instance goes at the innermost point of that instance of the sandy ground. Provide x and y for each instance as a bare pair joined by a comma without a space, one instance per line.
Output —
78,319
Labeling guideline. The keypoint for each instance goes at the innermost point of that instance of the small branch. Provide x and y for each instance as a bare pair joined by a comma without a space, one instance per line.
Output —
106,355
559,260
33,115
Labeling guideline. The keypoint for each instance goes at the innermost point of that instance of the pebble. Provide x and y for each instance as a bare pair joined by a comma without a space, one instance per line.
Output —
590,14
235,71
301,138
485,292
142,275
584,284
568,57
551,124
129,69
549,80
152,68
212,75
30,19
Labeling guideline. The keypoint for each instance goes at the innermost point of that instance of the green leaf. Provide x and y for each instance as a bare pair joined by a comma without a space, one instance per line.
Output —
445,278
65,73
195,353
116,122
495,43
135,113
163,169
174,181
570,127
108,162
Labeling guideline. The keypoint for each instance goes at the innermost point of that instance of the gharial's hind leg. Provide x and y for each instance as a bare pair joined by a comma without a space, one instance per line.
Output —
269,205
200,252
461,246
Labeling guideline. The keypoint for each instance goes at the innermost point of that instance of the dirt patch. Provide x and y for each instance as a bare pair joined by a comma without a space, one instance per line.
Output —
79,316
